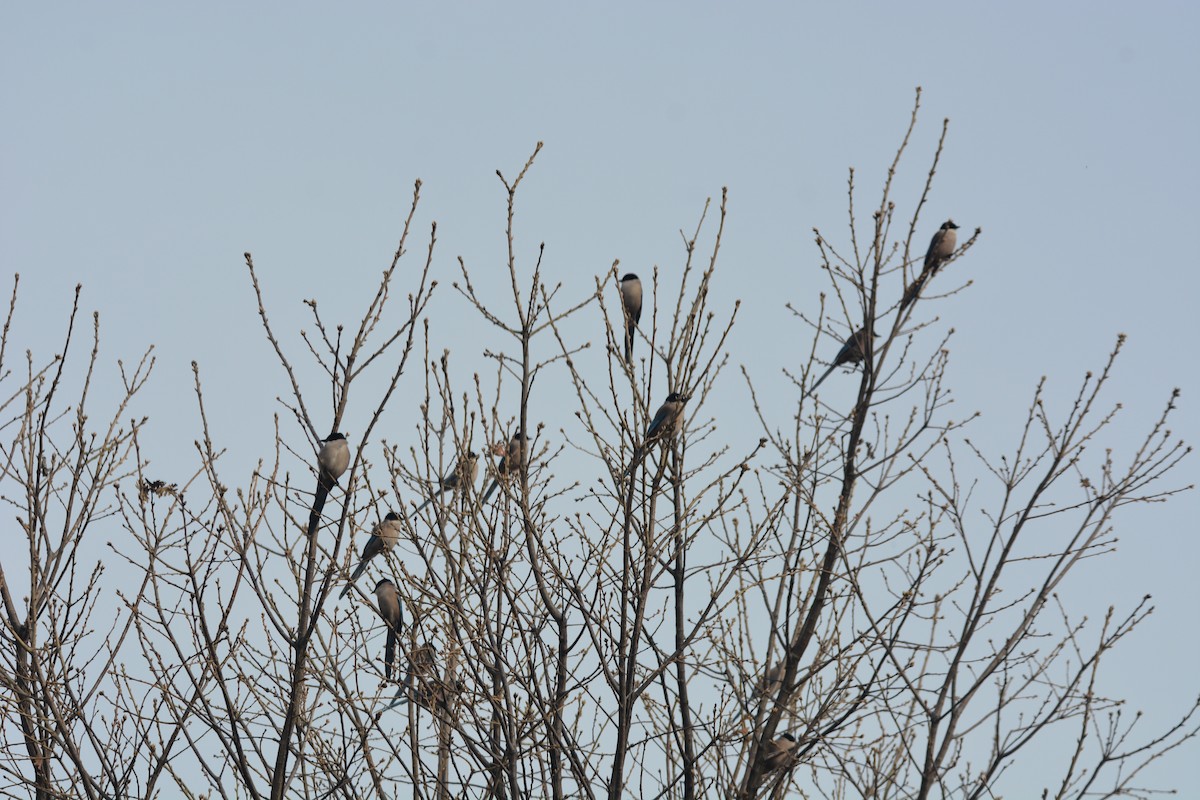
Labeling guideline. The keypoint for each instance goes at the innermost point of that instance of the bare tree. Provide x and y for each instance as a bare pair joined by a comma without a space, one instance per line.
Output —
67,728
600,593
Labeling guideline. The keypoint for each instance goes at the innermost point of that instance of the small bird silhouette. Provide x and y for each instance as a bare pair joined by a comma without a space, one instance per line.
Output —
661,428
388,600
511,456
779,753
631,309
463,474
332,460
383,538
770,680
853,351
423,671
941,247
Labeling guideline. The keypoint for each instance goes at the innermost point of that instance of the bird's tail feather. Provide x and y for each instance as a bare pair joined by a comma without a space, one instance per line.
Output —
314,516
437,490
389,654
358,571
821,379
492,488
912,292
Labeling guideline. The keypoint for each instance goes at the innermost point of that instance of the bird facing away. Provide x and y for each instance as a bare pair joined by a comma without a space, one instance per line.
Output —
511,456
383,538
779,753
662,427
853,351
631,309
388,600
463,474
941,247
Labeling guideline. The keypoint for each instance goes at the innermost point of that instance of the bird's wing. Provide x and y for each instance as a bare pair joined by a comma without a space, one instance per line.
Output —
657,422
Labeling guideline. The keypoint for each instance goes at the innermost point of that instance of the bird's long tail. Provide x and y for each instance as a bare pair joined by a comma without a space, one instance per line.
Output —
492,488
629,344
437,492
389,654
913,292
821,379
358,571
319,496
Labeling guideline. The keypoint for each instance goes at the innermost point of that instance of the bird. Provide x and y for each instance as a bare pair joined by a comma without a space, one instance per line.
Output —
383,538
422,667
464,473
332,460
778,754
770,680
388,600
662,427
941,247
511,456
853,351
631,307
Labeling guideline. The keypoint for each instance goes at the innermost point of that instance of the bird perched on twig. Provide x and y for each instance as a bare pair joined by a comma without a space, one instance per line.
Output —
941,247
511,456
662,427
853,351
332,460
383,538
463,474
631,309
770,681
423,671
388,600
778,754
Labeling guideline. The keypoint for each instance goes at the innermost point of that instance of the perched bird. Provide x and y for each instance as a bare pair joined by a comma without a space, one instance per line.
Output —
422,670
383,538
662,427
779,753
941,247
332,460
511,456
463,474
631,307
770,681
853,351
388,600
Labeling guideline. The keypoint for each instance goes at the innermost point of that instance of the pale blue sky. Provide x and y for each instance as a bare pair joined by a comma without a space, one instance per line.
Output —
145,147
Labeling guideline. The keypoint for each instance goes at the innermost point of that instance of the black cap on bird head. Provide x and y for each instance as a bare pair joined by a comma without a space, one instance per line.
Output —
382,582
628,276
391,516
678,397
333,437
950,224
